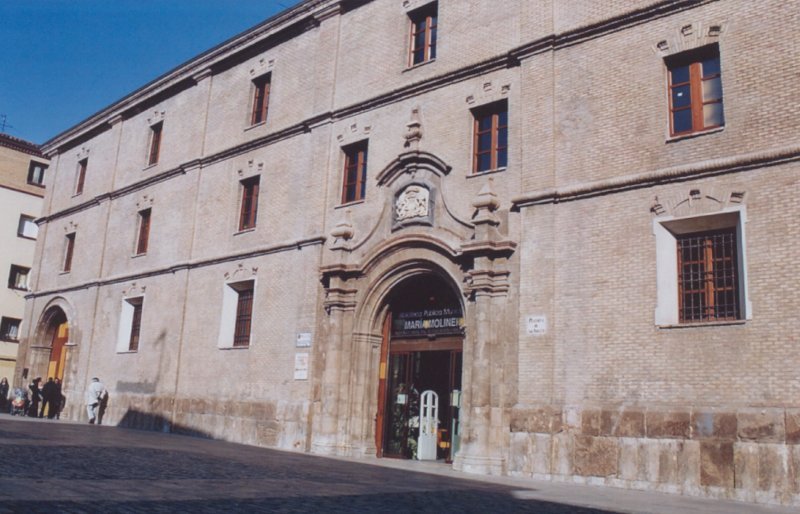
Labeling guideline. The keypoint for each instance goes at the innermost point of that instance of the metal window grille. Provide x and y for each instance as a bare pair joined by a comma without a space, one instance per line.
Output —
244,315
708,279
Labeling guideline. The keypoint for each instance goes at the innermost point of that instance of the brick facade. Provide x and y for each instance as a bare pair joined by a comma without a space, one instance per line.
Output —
568,232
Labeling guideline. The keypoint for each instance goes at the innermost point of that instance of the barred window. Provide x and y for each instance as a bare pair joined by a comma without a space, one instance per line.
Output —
244,315
708,282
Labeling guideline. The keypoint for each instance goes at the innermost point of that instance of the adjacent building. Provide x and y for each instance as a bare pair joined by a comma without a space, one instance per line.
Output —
537,238
22,175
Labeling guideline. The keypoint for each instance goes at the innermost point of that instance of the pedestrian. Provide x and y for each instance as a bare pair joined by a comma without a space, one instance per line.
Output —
36,396
94,396
50,399
3,394
60,399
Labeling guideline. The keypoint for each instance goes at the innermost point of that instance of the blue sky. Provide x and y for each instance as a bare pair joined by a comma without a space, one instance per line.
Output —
63,60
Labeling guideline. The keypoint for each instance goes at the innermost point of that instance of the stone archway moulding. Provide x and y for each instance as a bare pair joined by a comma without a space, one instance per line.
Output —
39,339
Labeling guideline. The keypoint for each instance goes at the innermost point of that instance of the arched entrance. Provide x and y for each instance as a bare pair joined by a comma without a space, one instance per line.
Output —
58,332
421,351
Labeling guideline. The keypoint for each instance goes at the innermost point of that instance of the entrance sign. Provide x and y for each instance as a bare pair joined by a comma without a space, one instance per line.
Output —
445,321
428,424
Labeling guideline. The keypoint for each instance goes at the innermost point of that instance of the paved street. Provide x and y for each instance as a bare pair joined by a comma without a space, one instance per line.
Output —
53,466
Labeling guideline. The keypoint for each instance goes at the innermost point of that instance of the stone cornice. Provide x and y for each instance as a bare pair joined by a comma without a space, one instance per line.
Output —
711,167
311,12
185,265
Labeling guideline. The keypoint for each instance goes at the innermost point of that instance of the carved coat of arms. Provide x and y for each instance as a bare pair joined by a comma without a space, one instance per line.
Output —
412,203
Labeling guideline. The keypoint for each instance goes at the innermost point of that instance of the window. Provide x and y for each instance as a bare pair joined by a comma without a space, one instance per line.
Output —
354,187
695,91
130,324
261,87
423,34
68,250
144,232
707,276
18,277
9,329
27,227
155,143
249,208
36,173
701,269
237,314
490,137
81,176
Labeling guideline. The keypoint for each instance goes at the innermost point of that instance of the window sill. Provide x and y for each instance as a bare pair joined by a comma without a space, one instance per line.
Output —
75,195
487,172
127,351
137,255
8,340
64,272
34,184
234,347
703,324
692,135
26,237
256,125
244,231
350,204
150,166
419,65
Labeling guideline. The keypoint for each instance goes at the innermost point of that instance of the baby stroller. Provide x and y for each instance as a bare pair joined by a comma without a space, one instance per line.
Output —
19,404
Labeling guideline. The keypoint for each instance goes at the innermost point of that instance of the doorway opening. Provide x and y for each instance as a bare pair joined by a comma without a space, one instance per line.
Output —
419,393
58,333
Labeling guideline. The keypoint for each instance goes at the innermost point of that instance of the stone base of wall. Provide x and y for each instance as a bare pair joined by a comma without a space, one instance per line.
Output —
749,455
268,424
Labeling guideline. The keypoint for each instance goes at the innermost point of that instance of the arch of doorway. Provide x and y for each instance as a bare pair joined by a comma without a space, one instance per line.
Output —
368,320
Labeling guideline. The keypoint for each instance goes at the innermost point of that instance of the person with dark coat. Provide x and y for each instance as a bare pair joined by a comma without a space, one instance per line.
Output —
50,398
3,394
60,399
36,395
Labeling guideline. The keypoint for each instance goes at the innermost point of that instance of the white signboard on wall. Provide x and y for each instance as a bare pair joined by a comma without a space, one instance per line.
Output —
537,325
303,340
301,366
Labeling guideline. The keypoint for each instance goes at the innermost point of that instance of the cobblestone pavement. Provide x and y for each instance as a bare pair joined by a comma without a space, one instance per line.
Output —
52,466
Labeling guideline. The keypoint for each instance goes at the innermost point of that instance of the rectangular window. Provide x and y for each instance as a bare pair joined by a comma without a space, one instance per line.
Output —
261,86
708,285
9,329
249,208
237,314
27,227
69,248
354,186
155,143
36,173
81,175
144,232
244,315
130,324
136,325
18,277
423,34
695,91
490,141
